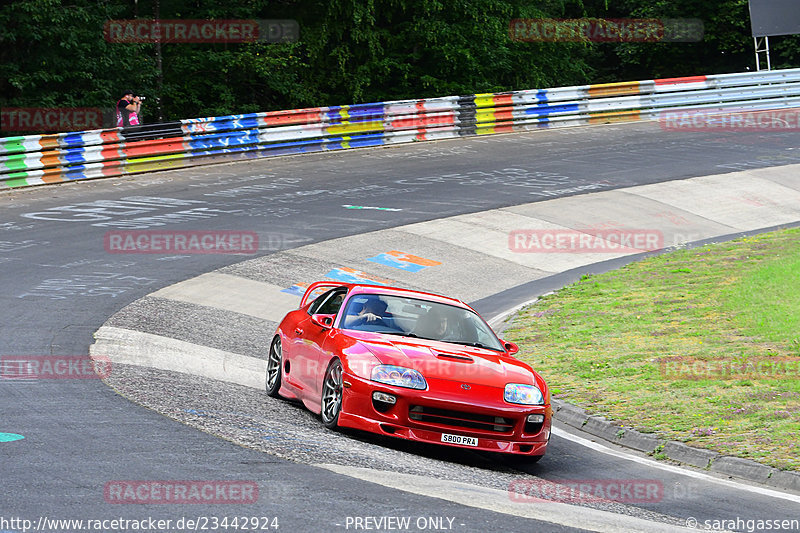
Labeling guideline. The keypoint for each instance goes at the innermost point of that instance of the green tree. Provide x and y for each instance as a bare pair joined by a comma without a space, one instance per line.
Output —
54,55
53,52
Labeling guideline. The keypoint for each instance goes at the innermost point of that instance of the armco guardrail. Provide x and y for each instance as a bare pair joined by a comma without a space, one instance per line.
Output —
38,159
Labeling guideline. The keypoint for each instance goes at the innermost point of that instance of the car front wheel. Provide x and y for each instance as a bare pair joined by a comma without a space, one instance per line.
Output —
332,394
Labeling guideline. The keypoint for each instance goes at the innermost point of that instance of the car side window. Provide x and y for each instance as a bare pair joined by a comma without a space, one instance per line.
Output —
329,303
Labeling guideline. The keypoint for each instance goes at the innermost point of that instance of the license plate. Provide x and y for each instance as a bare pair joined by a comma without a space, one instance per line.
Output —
459,439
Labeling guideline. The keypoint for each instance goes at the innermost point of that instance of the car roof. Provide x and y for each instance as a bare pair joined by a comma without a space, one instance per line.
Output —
359,288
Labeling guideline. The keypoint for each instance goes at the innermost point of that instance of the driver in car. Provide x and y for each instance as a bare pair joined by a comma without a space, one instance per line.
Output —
373,313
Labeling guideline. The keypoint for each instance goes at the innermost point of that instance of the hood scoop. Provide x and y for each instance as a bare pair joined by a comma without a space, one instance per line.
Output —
454,357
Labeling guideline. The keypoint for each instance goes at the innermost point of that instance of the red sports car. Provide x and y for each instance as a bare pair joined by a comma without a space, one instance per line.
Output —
408,364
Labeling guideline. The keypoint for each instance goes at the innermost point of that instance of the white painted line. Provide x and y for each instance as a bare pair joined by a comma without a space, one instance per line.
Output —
500,501
673,469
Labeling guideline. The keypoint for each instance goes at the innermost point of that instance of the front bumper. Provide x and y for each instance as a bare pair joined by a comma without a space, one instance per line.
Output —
455,411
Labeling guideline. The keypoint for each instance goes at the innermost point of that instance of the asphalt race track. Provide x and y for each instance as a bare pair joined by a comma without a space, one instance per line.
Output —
60,285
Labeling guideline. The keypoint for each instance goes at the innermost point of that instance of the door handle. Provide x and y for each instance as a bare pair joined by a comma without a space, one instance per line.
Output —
298,331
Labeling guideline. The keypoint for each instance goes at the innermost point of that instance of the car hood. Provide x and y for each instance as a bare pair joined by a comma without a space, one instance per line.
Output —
442,360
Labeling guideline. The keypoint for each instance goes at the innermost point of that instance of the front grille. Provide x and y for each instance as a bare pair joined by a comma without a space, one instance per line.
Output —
461,419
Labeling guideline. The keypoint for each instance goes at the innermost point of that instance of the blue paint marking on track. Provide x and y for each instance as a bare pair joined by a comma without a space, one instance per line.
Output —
348,275
297,290
10,437
389,260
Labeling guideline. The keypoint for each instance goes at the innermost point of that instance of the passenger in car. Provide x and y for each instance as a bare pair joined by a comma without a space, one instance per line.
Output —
432,325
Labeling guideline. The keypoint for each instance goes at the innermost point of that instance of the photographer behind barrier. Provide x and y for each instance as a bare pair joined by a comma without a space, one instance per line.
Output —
128,108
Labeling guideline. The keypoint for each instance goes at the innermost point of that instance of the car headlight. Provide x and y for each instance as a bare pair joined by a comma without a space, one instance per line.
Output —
399,377
523,394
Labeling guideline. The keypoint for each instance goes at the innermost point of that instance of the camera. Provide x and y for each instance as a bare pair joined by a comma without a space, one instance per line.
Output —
142,98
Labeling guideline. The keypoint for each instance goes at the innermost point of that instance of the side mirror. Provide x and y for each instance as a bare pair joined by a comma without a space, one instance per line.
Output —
510,347
323,321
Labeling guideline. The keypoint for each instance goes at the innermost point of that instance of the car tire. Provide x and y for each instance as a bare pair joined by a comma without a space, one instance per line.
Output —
274,367
332,389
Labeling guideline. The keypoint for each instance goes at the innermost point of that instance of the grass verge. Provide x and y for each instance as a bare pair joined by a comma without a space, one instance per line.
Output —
700,346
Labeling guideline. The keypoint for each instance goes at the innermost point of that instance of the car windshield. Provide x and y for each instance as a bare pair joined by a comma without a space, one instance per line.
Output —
413,317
